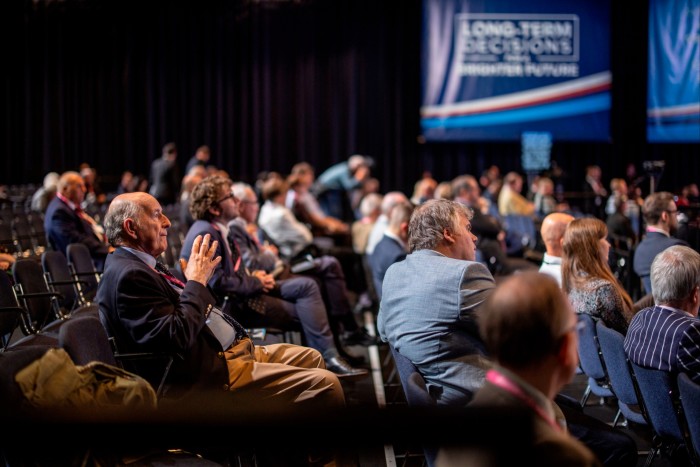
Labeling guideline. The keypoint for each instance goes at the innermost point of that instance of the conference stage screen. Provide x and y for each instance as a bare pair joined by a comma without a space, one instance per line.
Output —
493,70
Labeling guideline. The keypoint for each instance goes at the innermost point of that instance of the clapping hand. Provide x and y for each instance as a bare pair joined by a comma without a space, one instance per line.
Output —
202,262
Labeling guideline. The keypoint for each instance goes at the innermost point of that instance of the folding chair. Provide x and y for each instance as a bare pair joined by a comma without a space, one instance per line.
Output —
83,268
689,392
618,370
521,234
592,361
85,340
154,367
8,242
33,293
13,316
25,237
36,223
657,389
59,276
416,392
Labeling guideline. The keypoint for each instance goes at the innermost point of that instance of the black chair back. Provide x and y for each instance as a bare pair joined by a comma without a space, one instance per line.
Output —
83,268
85,340
8,242
35,296
10,311
59,276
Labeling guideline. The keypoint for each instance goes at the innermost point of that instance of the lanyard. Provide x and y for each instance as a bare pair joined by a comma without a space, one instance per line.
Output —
497,379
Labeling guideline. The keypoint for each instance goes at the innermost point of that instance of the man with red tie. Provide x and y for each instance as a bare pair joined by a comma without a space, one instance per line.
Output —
146,310
65,222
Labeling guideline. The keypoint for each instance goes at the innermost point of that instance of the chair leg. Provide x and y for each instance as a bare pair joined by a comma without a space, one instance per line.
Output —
585,396
650,457
617,417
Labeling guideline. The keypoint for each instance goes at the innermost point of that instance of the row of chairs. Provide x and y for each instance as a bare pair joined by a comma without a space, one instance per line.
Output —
23,236
667,404
40,295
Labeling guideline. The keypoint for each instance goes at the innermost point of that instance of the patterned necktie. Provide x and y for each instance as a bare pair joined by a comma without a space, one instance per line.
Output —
165,272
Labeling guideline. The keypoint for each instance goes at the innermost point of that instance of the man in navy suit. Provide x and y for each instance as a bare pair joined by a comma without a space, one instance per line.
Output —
393,246
257,294
661,216
149,311
65,222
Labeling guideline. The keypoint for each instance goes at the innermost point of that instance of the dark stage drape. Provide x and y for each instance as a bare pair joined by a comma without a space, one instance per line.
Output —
265,84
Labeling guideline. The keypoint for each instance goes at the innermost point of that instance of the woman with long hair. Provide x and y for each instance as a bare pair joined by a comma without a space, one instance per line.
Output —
586,276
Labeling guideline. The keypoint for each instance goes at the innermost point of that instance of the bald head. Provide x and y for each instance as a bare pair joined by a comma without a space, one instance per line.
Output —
136,220
552,232
72,186
527,310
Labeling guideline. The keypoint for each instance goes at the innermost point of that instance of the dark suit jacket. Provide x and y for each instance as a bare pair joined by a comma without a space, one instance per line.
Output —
63,227
143,312
253,257
225,280
550,446
387,252
165,181
247,300
652,244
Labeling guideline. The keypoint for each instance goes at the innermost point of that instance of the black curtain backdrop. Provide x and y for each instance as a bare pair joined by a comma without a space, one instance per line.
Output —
265,84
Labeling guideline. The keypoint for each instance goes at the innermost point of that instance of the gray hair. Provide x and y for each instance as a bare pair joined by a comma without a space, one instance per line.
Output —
240,189
370,203
430,219
391,199
675,272
119,211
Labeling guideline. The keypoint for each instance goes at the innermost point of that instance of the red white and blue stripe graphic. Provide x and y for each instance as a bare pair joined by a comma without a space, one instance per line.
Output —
581,96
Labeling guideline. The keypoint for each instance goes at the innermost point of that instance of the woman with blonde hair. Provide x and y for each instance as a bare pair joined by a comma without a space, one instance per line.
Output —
586,276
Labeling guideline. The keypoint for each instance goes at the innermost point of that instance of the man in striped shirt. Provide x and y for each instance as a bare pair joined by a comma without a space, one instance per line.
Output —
667,336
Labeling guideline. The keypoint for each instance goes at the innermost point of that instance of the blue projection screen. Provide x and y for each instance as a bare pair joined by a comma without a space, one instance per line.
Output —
673,101
492,70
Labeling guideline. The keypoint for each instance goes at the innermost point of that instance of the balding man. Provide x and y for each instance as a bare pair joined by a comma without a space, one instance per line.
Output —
146,309
65,222
528,310
552,232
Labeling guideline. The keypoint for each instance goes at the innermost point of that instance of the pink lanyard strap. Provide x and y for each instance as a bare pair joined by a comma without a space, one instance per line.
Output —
497,379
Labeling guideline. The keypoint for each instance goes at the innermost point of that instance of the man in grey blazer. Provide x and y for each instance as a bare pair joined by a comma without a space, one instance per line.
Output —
429,300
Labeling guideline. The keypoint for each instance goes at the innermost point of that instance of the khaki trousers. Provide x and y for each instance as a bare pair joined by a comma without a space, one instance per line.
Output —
282,374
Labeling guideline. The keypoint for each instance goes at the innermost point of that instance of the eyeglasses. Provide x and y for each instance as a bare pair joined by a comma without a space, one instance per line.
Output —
229,196
247,201
671,212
